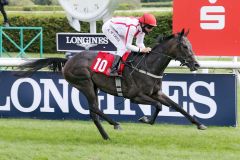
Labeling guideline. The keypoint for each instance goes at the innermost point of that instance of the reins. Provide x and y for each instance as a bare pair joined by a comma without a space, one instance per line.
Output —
161,54
135,68
182,60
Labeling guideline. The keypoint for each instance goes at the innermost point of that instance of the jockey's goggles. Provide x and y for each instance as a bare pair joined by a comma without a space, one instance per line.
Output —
149,26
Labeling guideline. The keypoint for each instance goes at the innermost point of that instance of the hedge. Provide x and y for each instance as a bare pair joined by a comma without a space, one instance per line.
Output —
156,4
55,23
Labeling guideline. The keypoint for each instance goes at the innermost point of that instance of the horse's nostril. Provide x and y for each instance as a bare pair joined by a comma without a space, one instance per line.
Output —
196,65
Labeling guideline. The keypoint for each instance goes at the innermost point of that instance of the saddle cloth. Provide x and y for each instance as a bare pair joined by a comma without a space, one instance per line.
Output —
103,63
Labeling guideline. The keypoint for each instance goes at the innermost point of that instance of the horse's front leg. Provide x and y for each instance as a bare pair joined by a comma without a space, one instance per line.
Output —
165,100
150,120
145,99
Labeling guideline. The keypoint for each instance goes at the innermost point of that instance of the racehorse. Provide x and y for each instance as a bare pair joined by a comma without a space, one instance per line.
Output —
141,78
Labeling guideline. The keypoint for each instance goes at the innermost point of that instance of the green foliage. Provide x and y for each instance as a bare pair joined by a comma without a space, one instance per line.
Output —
157,4
32,2
147,1
54,2
42,2
127,6
21,3
35,8
55,23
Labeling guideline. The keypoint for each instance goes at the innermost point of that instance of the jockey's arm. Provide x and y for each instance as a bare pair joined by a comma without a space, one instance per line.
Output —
131,47
139,40
140,44
129,40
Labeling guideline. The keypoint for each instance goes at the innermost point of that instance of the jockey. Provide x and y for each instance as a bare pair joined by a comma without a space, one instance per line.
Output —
121,31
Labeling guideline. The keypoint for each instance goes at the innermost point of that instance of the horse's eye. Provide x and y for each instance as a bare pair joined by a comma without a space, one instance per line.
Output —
185,47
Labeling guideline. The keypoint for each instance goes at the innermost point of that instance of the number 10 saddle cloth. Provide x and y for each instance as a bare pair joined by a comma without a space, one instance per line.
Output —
103,63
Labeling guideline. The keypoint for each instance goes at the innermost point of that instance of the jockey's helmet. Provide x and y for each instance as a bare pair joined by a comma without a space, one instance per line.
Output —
148,19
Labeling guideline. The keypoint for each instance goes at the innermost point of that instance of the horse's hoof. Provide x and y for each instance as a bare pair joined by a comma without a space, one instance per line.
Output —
202,127
144,119
117,127
106,138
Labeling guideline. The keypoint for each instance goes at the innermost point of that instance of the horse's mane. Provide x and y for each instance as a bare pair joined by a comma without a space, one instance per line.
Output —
162,38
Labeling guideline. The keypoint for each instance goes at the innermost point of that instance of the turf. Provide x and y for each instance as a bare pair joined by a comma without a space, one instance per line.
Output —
24,139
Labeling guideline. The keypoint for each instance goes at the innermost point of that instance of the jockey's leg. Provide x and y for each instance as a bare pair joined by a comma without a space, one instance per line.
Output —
115,65
114,37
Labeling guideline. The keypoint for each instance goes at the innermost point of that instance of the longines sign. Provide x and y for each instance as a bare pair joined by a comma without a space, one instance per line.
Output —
74,42
46,95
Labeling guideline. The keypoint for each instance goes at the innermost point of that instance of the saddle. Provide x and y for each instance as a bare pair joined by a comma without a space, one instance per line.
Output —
103,63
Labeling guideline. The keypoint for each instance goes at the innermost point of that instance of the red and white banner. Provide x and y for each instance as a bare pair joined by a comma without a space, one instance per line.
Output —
214,25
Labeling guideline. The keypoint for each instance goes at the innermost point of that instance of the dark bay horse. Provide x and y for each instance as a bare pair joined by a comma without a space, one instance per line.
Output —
141,78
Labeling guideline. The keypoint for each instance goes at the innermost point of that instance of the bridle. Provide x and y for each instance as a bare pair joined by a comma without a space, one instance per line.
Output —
183,60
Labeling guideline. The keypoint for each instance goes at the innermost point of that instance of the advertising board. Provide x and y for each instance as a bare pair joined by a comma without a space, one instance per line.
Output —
75,42
211,98
213,24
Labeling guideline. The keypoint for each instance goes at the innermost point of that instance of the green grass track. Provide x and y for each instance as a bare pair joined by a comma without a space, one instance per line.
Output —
25,139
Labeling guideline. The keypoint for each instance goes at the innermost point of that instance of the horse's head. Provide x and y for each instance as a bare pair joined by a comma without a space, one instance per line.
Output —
180,48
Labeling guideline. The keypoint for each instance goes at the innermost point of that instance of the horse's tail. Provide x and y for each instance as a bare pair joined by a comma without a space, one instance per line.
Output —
54,64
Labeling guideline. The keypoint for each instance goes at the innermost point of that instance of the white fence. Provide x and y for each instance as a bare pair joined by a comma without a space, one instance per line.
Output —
234,65
14,62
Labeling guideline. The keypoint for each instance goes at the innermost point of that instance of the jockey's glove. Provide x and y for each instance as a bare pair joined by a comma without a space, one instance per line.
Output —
146,50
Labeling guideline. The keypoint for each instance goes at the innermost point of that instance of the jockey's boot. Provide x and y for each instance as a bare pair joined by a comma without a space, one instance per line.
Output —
114,69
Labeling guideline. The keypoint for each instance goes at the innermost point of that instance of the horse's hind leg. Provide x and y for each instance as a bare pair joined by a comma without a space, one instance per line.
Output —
102,115
93,105
90,92
97,123
83,83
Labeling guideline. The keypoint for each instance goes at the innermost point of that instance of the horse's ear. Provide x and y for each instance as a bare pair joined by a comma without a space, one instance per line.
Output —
182,32
185,34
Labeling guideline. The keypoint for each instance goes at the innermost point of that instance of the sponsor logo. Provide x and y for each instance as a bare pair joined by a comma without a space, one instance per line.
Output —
213,24
212,17
186,95
86,42
83,41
